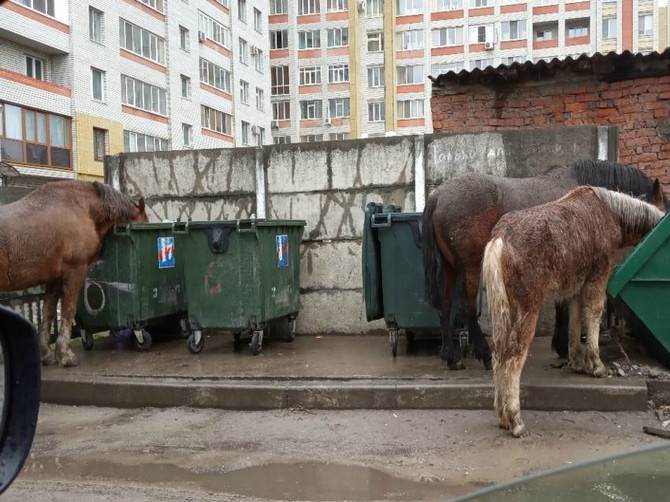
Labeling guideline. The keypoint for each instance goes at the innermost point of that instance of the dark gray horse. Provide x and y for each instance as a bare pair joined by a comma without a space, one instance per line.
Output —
458,219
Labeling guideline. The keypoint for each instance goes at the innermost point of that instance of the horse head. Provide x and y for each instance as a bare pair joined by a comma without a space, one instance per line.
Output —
140,215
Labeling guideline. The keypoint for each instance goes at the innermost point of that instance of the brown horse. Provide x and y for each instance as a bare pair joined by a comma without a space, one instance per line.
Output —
457,222
563,250
51,237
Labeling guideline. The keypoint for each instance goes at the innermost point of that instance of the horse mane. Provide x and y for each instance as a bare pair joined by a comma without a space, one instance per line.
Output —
635,214
116,206
614,176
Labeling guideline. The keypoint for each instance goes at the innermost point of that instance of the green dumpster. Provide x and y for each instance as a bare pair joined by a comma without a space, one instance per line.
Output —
393,273
642,282
242,276
136,283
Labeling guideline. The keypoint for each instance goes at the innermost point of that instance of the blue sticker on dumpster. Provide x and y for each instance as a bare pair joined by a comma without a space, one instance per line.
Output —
166,257
282,251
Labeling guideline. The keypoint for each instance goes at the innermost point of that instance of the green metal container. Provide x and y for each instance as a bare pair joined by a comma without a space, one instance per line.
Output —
642,282
241,276
136,282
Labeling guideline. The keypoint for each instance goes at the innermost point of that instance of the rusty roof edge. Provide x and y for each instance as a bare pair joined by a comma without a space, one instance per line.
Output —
492,75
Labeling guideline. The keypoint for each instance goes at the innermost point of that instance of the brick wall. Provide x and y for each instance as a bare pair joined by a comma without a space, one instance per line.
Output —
639,108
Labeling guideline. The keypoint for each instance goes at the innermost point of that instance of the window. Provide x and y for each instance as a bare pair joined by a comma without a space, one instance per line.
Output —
337,5
443,37
543,33
282,140
143,96
440,68
482,63
43,6
374,8
309,39
258,20
99,144
137,142
185,87
538,3
214,75
34,137
244,52
338,136
257,55
35,68
441,5
513,59
278,7
242,10
261,136
376,110
578,28
338,37
375,76
213,30
481,34
281,110
310,75
245,132
410,39
412,74
311,109
141,42
217,121
244,92
279,80
482,3
260,100
308,7
375,41
410,7
645,25
311,138
98,84
410,109
96,25
513,30
184,39
609,27
187,134
154,4
338,107
338,73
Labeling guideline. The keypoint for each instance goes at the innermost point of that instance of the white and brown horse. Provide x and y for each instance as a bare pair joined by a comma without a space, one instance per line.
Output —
563,250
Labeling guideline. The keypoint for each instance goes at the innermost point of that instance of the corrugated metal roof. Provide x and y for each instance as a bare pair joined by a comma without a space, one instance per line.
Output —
609,67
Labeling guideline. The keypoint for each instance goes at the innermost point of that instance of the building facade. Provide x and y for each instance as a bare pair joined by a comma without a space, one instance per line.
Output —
80,80
358,68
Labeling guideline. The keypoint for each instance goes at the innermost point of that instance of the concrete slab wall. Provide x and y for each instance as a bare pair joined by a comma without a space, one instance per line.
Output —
328,185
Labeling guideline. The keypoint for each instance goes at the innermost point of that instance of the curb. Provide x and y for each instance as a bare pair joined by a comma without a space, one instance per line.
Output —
259,394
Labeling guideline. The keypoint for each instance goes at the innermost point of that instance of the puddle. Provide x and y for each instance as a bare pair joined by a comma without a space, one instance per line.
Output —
297,481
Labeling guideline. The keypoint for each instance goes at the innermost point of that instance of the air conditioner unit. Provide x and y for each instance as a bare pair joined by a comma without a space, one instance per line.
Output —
274,124
489,46
201,36
254,130
327,121
254,50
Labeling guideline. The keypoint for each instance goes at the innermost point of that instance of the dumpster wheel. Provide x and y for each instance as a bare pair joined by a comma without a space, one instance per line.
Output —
142,340
256,343
195,342
86,339
393,340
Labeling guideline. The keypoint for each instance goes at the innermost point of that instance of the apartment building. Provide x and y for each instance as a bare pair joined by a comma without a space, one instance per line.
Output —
79,80
357,68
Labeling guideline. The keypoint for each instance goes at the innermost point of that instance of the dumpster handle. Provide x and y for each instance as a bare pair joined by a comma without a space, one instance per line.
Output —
381,220
122,229
180,227
251,228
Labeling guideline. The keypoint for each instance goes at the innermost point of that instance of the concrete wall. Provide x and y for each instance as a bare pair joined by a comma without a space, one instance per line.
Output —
328,185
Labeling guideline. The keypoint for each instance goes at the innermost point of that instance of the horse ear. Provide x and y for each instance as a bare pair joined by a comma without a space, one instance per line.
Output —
140,204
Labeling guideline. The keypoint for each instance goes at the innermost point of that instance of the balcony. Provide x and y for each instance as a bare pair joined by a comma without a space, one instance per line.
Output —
32,29
545,36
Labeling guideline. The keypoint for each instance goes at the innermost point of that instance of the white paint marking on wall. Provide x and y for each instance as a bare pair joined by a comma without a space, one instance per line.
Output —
603,143
260,185
419,175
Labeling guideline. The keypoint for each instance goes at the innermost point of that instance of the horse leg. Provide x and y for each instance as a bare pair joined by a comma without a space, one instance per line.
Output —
73,281
560,339
450,351
575,349
593,296
481,346
52,292
509,360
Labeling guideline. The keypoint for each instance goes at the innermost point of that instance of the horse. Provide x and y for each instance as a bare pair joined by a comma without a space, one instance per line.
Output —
51,237
565,249
457,222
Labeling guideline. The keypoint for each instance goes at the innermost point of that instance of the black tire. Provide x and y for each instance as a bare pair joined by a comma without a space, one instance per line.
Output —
86,339
255,343
193,347
146,343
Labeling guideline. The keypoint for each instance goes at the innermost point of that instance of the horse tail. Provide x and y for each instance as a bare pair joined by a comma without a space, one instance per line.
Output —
432,260
496,293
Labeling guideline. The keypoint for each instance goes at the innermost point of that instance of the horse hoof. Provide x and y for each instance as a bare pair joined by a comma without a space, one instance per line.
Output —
48,359
560,363
600,371
458,365
519,430
68,361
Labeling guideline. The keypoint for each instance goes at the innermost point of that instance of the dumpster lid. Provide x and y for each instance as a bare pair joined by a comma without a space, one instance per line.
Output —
259,222
640,256
145,226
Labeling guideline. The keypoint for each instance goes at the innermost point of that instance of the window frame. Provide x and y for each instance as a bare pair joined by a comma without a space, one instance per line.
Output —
92,30
380,114
99,133
333,34
103,85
